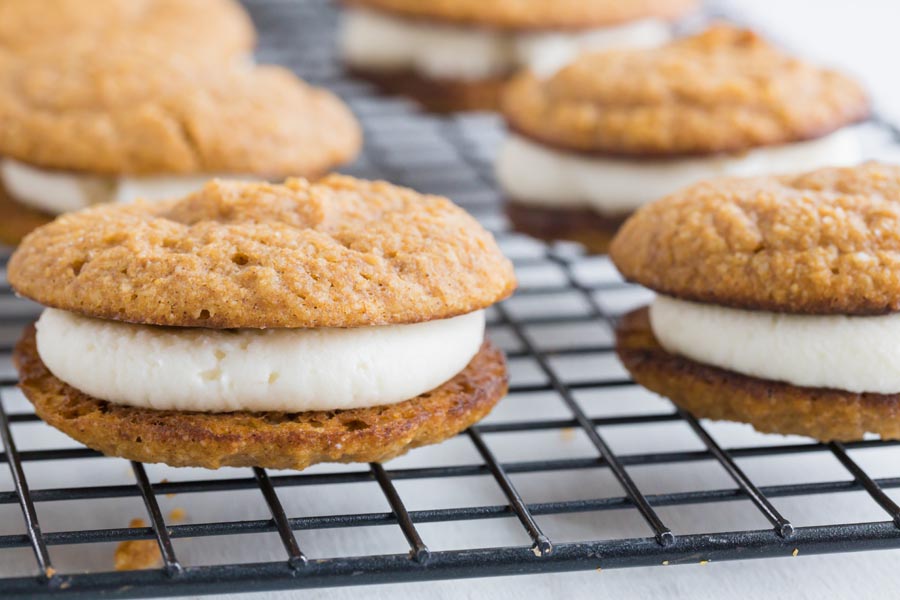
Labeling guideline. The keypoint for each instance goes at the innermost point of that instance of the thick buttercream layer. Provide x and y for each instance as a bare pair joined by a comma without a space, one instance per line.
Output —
533,173
290,370
854,354
375,40
58,192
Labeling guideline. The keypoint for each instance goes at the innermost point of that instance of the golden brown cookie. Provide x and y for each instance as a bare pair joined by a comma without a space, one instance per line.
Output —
532,14
215,27
724,90
825,242
16,220
583,225
268,439
437,95
139,108
770,406
340,252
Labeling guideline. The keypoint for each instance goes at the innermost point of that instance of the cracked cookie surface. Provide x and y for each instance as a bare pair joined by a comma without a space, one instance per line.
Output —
340,252
724,90
824,242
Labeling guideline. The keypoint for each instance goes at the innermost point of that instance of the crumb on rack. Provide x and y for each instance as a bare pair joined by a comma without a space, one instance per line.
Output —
177,515
166,480
567,434
795,552
137,554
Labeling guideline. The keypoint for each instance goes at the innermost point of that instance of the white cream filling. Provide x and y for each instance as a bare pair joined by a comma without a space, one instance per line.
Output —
57,192
855,354
532,173
290,370
374,40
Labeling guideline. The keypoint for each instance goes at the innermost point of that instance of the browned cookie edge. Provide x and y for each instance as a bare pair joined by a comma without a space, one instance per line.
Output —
272,440
770,406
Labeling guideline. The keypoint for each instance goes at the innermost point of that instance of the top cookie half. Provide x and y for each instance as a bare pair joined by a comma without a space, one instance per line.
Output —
532,14
338,253
138,108
724,90
210,27
825,242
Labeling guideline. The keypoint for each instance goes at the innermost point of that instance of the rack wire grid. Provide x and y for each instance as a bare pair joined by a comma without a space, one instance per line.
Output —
577,469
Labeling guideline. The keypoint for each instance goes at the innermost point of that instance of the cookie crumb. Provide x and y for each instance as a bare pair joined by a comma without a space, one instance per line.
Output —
704,562
132,555
166,480
177,515
567,434
599,570
795,552
665,563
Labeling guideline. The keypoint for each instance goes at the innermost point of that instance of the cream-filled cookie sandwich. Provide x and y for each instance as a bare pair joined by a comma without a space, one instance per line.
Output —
88,123
212,28
253,324
615,130
779,301
457,55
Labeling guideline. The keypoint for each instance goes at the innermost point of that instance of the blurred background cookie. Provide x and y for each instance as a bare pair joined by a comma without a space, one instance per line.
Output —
456,55
219,28
614,130
88,122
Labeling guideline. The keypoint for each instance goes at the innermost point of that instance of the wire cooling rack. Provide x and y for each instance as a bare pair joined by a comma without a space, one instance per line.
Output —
577,469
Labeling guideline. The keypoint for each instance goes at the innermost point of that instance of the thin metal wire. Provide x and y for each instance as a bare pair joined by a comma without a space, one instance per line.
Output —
29,512
418,550
296,558
783,527
170,562
540,543
869,484
663,534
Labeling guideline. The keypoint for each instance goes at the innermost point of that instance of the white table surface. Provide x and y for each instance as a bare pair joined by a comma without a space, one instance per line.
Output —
863,36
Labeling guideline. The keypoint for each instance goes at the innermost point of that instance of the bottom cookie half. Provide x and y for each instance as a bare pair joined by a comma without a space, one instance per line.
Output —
266,439
438,95
17,220
770,406
584,226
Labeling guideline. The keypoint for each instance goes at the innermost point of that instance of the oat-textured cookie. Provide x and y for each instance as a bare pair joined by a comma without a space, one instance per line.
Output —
770,406
341,252
532,14
215,27
139,108
266,439
825,242
724,90
16,220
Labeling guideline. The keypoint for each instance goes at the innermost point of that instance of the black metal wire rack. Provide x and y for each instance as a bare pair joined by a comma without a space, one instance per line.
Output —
561,319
